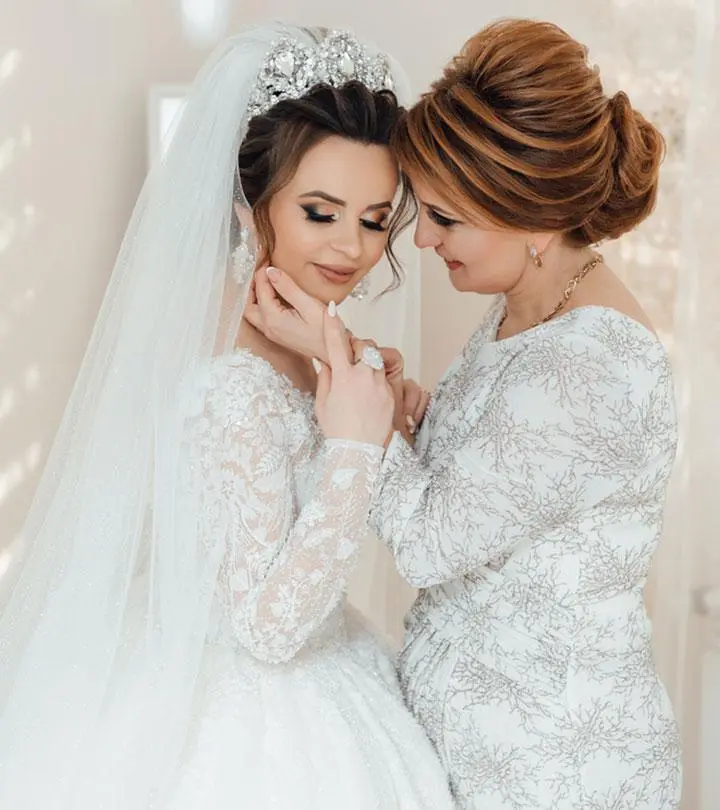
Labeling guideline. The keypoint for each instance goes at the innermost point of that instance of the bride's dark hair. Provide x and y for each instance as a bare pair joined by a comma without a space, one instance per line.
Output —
277,141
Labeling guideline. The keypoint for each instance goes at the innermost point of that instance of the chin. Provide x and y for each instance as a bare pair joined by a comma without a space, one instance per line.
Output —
326,291
459,280
326,294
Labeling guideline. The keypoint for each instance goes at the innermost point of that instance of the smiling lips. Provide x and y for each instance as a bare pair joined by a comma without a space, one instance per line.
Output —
336,273
453,265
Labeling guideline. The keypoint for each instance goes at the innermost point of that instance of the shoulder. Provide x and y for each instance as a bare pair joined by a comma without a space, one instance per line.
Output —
617,343
592,359
243,386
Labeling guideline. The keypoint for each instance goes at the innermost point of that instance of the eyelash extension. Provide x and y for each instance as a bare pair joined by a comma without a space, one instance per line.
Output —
373,226
440,219
313,216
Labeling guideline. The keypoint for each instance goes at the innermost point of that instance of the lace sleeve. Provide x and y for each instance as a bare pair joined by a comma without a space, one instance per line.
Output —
285,568
567,426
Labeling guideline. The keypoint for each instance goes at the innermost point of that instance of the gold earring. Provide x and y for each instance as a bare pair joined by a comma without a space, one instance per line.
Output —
535,256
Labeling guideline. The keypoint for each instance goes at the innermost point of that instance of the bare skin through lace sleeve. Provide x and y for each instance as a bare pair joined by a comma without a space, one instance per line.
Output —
286,566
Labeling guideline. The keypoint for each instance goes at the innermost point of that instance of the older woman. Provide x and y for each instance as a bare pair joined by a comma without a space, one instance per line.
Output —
529,508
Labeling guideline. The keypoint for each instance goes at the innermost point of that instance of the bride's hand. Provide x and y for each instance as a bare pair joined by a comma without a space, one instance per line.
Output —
353,401
394,375
286,314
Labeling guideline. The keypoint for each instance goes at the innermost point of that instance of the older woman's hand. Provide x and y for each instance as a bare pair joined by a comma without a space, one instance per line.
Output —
415,404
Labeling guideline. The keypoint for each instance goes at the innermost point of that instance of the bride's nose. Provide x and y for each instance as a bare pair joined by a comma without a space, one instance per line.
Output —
349,241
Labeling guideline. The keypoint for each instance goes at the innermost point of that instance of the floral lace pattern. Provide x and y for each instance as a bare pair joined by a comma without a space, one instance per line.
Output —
528,516
290,508
297,702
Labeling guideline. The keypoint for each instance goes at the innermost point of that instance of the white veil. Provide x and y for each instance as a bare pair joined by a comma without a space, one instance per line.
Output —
98,664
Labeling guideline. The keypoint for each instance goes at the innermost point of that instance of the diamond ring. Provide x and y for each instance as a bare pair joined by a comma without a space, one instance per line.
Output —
372,357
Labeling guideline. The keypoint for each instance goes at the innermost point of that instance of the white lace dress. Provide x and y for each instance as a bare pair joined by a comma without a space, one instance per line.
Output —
299,706
528,516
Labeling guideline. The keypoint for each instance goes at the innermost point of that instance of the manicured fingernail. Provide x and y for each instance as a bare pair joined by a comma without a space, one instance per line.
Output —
411,423
317,365
272,272
332,309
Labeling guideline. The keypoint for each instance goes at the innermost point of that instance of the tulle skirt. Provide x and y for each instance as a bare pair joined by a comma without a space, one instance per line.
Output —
326,731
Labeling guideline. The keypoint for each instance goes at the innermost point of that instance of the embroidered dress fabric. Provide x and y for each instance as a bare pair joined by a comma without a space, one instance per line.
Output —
528,516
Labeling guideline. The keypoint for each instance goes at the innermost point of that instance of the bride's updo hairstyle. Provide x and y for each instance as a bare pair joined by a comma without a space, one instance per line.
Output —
277,141
518,131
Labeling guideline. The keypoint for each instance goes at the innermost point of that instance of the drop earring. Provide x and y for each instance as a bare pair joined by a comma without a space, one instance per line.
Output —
243,258
361,289
537,259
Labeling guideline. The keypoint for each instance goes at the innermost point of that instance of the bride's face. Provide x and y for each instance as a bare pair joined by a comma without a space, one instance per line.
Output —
330,221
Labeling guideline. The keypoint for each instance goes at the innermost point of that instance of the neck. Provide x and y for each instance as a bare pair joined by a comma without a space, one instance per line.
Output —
539,289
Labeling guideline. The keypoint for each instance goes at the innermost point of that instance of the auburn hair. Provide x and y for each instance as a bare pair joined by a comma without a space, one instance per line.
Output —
518,130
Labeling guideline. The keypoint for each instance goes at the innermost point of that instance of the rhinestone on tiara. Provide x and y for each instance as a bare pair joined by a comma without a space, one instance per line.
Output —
292,68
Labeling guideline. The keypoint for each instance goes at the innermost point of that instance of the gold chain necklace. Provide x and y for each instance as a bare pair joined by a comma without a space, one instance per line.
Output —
569,290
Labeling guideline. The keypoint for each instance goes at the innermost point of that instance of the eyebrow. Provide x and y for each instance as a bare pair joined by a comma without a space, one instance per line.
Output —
337,201
439,210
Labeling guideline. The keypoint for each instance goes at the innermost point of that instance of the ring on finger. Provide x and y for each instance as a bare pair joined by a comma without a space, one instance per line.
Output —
372,357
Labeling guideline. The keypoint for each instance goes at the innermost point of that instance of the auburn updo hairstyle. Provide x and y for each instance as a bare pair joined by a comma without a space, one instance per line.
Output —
519,131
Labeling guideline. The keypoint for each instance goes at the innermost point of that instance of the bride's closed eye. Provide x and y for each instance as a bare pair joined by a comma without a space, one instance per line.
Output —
313,215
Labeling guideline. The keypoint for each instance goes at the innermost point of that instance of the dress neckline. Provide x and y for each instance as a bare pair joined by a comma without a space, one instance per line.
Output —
498,309
287,384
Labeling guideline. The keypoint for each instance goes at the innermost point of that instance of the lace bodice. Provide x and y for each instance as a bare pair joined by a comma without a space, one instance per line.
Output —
289,507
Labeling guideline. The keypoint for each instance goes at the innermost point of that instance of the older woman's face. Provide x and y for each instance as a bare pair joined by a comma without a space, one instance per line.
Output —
480,256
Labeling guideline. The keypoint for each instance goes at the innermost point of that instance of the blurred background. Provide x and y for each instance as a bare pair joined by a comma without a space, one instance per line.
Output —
79,82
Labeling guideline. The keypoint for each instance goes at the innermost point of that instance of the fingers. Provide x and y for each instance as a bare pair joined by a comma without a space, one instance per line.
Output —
394,364
267,298
324,381
252,293
252,314
288,290
411,396
358,343
334,334
415,403
422,407
252,310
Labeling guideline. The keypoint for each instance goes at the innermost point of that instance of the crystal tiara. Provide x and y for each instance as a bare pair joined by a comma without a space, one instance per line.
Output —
292,68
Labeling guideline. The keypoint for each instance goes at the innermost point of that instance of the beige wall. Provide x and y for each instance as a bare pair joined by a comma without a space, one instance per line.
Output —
74,77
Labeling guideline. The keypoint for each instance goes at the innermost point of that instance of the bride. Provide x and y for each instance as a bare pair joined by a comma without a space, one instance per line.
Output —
178,637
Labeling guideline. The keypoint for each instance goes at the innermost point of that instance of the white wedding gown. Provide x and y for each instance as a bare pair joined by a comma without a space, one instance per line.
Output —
297,706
